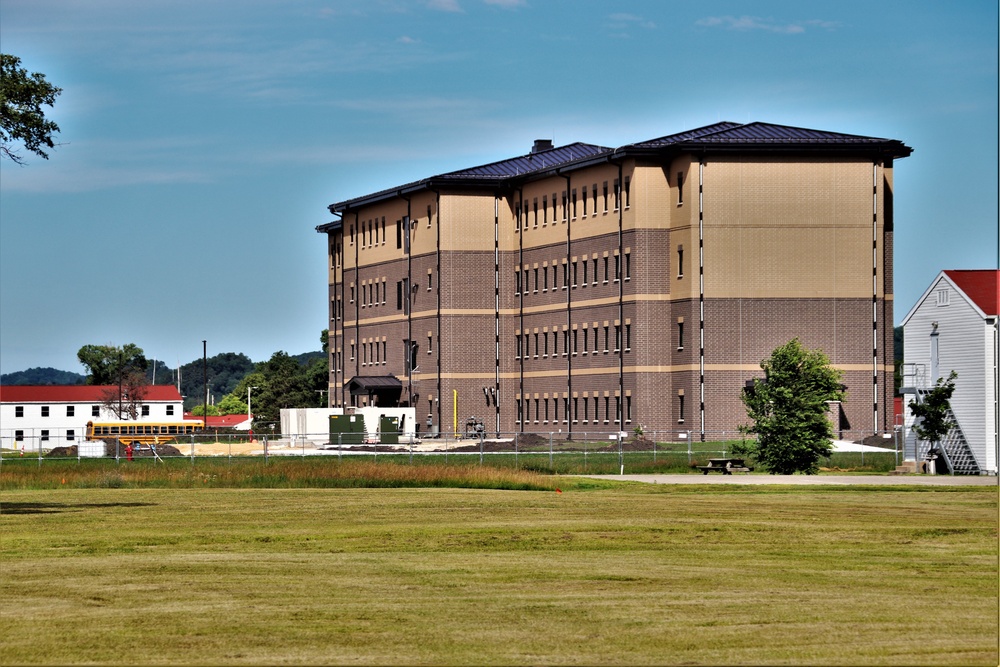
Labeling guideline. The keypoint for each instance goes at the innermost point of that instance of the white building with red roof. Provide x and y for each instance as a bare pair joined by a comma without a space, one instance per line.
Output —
57,415
953,327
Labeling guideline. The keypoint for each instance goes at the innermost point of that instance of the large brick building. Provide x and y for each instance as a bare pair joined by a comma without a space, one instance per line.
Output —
587,289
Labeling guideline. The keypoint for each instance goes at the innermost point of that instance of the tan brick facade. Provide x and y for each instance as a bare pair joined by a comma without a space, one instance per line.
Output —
623,290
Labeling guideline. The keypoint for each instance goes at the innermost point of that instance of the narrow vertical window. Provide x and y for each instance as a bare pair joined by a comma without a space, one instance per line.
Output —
680,188
680,335
680,261
605,196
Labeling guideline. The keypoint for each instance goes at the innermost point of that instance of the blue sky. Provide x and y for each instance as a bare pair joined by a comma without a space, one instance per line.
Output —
202,141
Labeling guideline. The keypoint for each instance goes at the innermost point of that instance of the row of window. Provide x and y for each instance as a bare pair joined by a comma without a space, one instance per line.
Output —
544,278
95,410
373,232
581,341
526,212
576,410
44,435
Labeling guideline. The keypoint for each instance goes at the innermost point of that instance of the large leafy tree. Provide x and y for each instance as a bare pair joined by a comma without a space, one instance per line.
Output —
932,422
788,408
123,370
108,364
22,120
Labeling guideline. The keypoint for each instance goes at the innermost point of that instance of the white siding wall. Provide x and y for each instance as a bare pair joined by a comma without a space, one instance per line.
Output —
960,348
63,430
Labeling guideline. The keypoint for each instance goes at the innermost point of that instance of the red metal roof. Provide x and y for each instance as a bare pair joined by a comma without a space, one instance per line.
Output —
78,393
982,286
219,421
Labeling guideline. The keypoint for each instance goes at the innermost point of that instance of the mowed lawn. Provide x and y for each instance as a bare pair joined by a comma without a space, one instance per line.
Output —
634,574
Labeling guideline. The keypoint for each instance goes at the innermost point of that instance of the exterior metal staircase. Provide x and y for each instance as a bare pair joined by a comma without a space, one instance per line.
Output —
956,455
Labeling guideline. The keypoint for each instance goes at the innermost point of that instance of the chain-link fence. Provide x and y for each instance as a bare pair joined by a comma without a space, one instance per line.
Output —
578,452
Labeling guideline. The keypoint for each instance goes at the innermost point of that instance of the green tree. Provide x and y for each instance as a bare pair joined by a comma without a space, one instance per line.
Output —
21,117
199,410
230,405
931,414
109,364
788,408
123,371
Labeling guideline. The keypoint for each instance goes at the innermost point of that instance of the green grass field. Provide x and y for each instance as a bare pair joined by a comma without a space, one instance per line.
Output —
599,573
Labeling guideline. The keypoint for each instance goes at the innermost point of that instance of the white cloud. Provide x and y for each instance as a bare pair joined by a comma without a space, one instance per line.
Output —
444,5
507,4
746,23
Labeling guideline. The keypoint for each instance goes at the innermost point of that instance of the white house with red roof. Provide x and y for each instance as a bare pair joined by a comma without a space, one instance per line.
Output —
57,415
953,327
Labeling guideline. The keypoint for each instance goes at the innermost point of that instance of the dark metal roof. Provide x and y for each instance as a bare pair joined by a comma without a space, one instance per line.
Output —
374,382
718,137
527,164
672,139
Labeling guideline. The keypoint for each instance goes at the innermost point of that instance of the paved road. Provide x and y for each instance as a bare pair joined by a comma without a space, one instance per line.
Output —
874,480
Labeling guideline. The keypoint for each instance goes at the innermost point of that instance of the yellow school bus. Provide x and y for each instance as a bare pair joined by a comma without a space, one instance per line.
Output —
142,433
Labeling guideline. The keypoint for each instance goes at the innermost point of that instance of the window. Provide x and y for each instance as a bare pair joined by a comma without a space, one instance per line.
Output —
95,411
352,234
430,342
399,295
584,193
605,196
399,234
606,339
595,270
628,408
430,281
545,279
517,346
535,206
584,283
145,411
536,279
565,208
565,342
576,341
628,266
618,337
681,409
593,190
18,410
943,297
607,409
170,411
628,336
576,409
45,411
606,270
517,282
574,273
618,194
628,191
680,335
618,267
545,210
45,435
680,188
383,291
574,203
352,351
70,434
618,409
680,261
586,338
19,436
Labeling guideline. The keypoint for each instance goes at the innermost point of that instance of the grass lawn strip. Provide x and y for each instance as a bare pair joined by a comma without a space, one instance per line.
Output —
635,575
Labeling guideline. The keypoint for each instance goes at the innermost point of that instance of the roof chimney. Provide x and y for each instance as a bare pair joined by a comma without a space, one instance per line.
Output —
541,145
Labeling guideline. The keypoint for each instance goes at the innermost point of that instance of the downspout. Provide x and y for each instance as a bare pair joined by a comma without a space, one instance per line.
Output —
357,300
619,343
437,245
407,242
569,303
520,310
875,396
496,309
701,294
